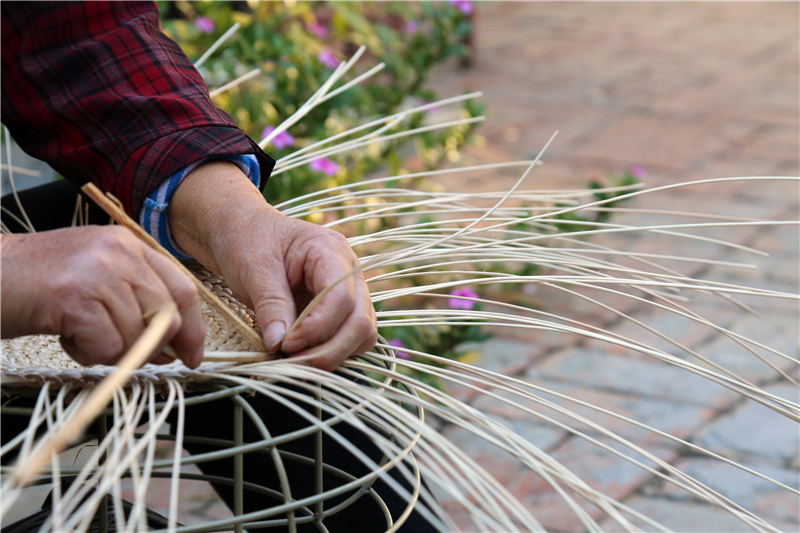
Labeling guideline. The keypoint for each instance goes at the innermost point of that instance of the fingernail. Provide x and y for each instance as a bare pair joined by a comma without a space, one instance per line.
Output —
274,334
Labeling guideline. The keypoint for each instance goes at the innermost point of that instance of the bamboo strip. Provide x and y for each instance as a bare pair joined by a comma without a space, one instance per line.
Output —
110,205
72,428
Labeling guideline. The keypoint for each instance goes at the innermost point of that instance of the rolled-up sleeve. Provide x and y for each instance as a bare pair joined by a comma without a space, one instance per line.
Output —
101,94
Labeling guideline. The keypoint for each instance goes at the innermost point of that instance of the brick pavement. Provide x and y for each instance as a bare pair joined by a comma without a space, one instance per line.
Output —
688,91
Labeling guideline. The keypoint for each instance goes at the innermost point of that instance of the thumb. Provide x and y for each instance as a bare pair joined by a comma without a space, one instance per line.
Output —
273,303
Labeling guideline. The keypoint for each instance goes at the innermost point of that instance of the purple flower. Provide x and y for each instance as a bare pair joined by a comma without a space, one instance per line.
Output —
317,29
325,165
431,109
397,343
456,303
327,58
204,24
465,6
281,140
411,27
638,172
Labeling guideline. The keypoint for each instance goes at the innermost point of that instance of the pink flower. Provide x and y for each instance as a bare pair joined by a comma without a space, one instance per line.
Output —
204,24
431,109
638,172
465,6
317,29
397,343
281,140
327,58
457,303
325,165
411,27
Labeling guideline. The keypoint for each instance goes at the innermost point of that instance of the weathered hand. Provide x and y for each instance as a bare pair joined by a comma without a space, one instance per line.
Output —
274,263
92,286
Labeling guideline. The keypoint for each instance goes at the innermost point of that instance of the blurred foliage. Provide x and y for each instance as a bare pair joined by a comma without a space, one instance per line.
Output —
573,220
294,44
586,221
446,341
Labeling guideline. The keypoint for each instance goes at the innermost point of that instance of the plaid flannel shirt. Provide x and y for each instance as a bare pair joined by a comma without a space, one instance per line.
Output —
101,94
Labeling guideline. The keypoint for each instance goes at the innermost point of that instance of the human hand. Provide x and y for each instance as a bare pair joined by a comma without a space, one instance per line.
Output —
92,286
275,264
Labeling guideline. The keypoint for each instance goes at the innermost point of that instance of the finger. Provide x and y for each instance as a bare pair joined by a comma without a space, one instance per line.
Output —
189,338
162,359
271,296
165,353
127,305
333,310
92,338
358,334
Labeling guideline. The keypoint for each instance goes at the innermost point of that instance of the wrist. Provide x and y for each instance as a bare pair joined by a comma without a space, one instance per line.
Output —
209,206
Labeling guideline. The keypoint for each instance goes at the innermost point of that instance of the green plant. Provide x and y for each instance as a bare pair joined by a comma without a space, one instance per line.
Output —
444,340
296,45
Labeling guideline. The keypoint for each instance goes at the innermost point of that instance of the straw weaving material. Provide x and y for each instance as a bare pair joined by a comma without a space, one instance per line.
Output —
456,248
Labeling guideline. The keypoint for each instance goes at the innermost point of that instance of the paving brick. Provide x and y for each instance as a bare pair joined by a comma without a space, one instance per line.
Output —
499,464
632,89
779,333
782,241
778,143
688,517
537,341
632,375
688,332
503,355
678,419
784,302
757,495
754,430
656,141
600,469
479,449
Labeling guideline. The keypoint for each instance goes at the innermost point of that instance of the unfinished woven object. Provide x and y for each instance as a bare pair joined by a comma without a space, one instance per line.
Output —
389,398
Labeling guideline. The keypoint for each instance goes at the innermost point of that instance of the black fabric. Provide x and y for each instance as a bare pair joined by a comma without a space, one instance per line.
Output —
49,206
215,420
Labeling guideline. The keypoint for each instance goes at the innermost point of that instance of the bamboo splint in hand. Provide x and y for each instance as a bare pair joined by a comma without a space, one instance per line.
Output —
111,205
72,428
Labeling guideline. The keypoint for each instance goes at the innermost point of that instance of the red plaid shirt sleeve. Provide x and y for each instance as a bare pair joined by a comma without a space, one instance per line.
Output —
101,94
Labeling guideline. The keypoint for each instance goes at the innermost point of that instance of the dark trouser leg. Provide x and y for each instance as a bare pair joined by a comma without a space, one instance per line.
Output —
215,420
49,206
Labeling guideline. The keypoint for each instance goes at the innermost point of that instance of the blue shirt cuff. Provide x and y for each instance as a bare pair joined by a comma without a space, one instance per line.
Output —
153,217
